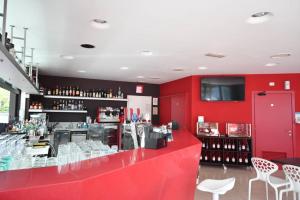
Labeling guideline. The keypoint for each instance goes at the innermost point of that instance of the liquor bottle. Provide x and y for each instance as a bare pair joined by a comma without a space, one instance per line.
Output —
201,157
74,91
67,91
70,91
119,92
63,91
246,160
54,105
77,91
240,147
110,93
203,145
206,158
60,91
56,90
49,92
63,105
81,93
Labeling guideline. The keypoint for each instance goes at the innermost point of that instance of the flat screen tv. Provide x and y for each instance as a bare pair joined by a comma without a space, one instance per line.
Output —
228,88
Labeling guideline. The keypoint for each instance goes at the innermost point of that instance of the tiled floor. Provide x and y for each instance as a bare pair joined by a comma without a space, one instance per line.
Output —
240,190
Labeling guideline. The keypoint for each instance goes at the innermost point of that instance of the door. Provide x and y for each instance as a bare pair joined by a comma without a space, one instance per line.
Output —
273,121
178,110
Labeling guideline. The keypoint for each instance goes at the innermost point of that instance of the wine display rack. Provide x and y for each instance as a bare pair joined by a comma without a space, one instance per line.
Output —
219,150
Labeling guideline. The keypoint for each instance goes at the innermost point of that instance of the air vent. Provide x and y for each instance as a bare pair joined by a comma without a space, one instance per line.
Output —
87,46
281,55
215,55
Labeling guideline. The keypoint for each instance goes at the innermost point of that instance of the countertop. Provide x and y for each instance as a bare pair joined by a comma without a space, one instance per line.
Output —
39,177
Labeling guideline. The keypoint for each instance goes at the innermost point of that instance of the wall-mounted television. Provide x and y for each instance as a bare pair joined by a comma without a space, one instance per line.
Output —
226,88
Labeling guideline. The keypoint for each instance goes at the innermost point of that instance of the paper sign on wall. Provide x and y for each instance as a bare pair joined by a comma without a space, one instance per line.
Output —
139,89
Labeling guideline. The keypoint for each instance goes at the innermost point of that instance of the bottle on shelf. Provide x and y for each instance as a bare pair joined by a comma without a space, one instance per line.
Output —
227,158
233,159
54,105
74,91
77,91
203,144
206,158
229,145
233,146
213,145
213,158
240,160
246,160
225,145
218,145
56,90
119,93
49,92
201,157
219,158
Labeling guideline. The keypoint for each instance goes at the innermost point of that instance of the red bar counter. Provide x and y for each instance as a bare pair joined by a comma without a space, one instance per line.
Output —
165,174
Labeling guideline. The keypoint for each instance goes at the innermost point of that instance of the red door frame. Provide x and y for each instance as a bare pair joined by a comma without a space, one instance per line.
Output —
253,117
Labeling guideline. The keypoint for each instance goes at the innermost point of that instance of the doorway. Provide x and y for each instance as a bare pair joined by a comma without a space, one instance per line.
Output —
273,120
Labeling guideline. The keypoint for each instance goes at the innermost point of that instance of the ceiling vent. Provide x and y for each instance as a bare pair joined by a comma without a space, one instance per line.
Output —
215,55
281,55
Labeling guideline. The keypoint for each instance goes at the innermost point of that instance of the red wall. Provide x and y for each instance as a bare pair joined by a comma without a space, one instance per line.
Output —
223,112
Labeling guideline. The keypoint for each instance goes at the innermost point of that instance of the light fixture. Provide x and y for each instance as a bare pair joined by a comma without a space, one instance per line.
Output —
271,64
123,68
259,17
147,53
140,77
67,57
154,77
87,46
81,71
99,24
215,55
202,68
178,69
281,55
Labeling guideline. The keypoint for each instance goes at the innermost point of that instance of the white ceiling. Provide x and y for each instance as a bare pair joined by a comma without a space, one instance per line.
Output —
178,33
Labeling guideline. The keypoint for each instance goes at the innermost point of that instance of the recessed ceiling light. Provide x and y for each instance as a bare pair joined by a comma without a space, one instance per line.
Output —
281,55
140,77
67,57
215,55
178,69
88,46
99,24
81,71
271,64
259,17
123,68
202,68
147,53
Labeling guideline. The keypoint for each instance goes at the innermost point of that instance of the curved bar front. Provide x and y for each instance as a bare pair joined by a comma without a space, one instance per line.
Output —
163,174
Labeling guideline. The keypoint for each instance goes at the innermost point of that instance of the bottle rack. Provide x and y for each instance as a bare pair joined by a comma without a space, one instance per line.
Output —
235,151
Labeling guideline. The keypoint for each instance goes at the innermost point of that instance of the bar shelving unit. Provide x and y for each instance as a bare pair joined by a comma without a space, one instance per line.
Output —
83,98
223,150
55,111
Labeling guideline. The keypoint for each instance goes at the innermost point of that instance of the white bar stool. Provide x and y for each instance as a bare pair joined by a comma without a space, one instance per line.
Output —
216,187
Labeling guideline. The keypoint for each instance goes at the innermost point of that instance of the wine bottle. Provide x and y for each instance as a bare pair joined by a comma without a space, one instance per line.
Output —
229,146
233,146
201,157
205,158
218,145
225,146
49,91
227,159
203,145
213,145
60,91
56,90
240,160
77,91
213,158
219,159
246,160
233,159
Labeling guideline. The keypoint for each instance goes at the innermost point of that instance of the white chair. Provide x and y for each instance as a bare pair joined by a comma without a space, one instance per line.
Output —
293,174
264,169
216,187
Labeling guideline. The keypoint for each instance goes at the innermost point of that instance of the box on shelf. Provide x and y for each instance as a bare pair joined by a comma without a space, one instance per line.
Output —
238,129
208,128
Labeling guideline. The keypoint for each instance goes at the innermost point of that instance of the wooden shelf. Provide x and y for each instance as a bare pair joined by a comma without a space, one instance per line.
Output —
12,73
56,111
83,98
